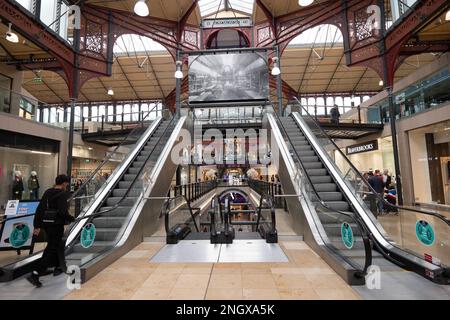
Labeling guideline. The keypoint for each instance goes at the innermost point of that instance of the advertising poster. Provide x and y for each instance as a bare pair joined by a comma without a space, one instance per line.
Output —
228,77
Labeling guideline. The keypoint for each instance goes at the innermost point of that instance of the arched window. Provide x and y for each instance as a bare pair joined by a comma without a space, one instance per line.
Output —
228,38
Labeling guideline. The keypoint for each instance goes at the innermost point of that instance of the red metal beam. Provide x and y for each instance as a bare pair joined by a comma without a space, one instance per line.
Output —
35,31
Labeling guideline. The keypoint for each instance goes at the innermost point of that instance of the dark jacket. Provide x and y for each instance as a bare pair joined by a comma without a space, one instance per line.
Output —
17,186
377,183
57,200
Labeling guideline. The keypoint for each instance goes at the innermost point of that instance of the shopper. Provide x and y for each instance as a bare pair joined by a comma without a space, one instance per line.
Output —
33,186
387,179
17,186
335,115
54,201
376,182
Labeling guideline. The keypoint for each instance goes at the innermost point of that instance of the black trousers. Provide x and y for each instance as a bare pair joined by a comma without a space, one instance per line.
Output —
53,255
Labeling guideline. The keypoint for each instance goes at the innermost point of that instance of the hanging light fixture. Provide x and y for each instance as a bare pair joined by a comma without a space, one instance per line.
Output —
11,36
276,69
305,3
110,91
381,83
179,73
141,8
447,16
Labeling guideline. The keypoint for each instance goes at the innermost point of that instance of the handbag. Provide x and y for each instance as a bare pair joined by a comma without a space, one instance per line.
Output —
51,217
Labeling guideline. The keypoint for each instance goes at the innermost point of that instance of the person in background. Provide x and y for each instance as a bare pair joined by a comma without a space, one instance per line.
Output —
376,182
33,186
387,179
335,115
54,199
272,179
17,188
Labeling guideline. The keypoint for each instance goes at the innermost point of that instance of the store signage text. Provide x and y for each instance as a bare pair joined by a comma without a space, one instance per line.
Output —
226,23
363,147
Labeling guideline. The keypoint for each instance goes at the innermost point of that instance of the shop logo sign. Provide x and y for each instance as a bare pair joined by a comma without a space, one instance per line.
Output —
88,236
363,147
347,235
425,232
19,235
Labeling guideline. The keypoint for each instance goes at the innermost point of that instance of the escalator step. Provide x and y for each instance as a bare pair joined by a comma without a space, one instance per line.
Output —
329,196
118,212
317,172
321,179
312,165
127,184
310,159
309,153
335,217
134,192
129,177
325,187
338,205
106,234
108,222
127,202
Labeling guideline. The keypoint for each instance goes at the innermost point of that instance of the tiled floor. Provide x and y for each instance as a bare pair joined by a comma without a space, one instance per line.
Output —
305,276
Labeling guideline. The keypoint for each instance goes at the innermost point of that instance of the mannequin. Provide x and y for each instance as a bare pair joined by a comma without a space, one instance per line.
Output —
17,186
33,186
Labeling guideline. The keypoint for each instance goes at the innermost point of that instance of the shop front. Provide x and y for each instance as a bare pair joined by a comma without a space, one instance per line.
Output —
28,166
430,163
368,156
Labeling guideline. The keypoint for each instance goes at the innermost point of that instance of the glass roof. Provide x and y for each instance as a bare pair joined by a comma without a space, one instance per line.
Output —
326,34
130,44
208,7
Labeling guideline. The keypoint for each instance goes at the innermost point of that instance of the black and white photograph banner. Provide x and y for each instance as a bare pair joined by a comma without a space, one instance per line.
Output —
228,77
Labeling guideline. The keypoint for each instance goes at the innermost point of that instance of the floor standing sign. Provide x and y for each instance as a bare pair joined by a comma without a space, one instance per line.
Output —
17,230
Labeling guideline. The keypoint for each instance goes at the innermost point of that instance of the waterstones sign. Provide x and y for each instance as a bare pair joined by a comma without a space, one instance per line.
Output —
363,147
227,23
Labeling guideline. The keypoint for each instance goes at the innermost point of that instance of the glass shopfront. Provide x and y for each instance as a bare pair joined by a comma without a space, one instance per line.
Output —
430,163
20,157
424,94
380,158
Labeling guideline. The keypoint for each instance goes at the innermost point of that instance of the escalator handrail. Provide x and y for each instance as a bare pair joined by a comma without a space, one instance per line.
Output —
373,192
167,212
106,159
365,232
269,201
97,214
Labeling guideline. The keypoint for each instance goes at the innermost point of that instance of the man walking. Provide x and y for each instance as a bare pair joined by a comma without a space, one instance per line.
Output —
51,215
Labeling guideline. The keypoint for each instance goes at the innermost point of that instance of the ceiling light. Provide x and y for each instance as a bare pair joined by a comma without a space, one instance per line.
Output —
90,148
110,91
11,36
179,73
141,8
41,152
305,3
276,69
447,16
381,83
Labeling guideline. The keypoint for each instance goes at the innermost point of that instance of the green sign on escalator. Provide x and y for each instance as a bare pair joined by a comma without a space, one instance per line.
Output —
425,232
88,236
347,235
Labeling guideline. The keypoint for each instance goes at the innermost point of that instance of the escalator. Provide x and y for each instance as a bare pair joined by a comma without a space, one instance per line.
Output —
115,213
337,220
